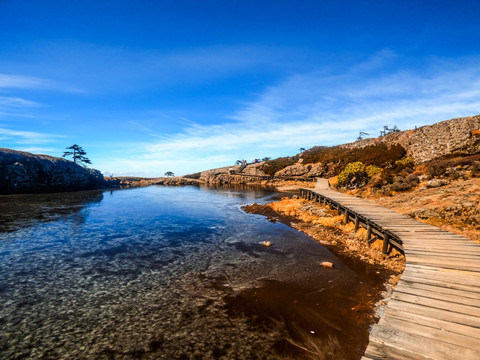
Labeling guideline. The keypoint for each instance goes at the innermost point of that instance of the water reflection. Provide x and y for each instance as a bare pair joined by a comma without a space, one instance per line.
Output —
19,211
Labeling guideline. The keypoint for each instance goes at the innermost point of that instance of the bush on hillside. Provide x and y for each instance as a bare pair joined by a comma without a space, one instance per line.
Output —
193,176
354,174
272,166
401,183
378,154
438,167
373,170
406,161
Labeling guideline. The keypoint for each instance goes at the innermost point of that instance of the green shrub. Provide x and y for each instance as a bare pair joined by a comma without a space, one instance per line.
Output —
406,161
354,174
372,170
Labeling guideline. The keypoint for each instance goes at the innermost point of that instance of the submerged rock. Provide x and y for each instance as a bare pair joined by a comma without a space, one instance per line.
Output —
327,264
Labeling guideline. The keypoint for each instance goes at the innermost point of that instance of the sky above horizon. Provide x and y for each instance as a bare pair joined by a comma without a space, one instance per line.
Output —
147,87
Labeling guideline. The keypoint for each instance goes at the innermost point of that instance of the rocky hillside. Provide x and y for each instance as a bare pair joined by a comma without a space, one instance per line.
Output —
461,135
22,172
395,152
456,136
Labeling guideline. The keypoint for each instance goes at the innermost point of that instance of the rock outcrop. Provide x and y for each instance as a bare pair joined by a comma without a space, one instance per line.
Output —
459,135
254,169
22,172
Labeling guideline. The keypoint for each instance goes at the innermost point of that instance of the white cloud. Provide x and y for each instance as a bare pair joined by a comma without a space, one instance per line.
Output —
27,137
14,81
319,109
24,82
6,101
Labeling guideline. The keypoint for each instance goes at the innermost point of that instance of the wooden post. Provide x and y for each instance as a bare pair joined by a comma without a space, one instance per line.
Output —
346,216
386,242
357,222
339,210
324,201
369,233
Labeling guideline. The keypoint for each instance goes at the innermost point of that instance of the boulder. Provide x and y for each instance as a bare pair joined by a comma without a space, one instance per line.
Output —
294,170
255,169
435,183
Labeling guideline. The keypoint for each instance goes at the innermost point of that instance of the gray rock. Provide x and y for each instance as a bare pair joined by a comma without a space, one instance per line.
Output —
22,172
435,183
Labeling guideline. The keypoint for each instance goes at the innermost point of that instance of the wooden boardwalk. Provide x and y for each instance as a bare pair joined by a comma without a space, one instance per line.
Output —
434,312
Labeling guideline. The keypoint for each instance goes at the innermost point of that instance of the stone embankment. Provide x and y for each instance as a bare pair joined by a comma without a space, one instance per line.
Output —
22,172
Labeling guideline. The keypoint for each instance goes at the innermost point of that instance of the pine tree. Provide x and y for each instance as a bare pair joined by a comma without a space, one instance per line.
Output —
78,154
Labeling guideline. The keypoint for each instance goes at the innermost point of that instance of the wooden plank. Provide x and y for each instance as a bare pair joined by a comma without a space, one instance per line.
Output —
422,345
455,296
438,288
436,323
439,282
430,332
461,264
378,350
438,304
447,247
435,313
471,277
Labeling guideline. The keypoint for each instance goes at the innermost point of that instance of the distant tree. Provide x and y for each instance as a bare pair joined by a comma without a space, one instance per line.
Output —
266,159
78,154
301,149
238,162
169,174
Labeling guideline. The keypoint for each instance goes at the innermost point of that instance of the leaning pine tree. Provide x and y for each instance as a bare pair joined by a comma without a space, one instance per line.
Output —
78,154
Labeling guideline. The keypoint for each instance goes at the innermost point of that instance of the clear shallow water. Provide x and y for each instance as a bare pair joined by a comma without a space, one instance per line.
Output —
167,273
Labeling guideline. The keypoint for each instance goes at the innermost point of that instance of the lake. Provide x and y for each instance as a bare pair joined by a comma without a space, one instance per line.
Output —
171,273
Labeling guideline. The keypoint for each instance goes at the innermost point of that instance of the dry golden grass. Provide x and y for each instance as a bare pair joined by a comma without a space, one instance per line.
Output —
353,242
289,207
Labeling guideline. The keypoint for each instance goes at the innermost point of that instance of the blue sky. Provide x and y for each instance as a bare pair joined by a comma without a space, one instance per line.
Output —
153,86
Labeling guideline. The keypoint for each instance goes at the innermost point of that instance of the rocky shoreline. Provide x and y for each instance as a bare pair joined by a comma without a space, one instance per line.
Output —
22,172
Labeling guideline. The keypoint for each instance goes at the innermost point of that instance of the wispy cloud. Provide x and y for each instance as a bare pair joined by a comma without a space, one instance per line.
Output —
6,101
27,137
15,81
320,109
24,82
